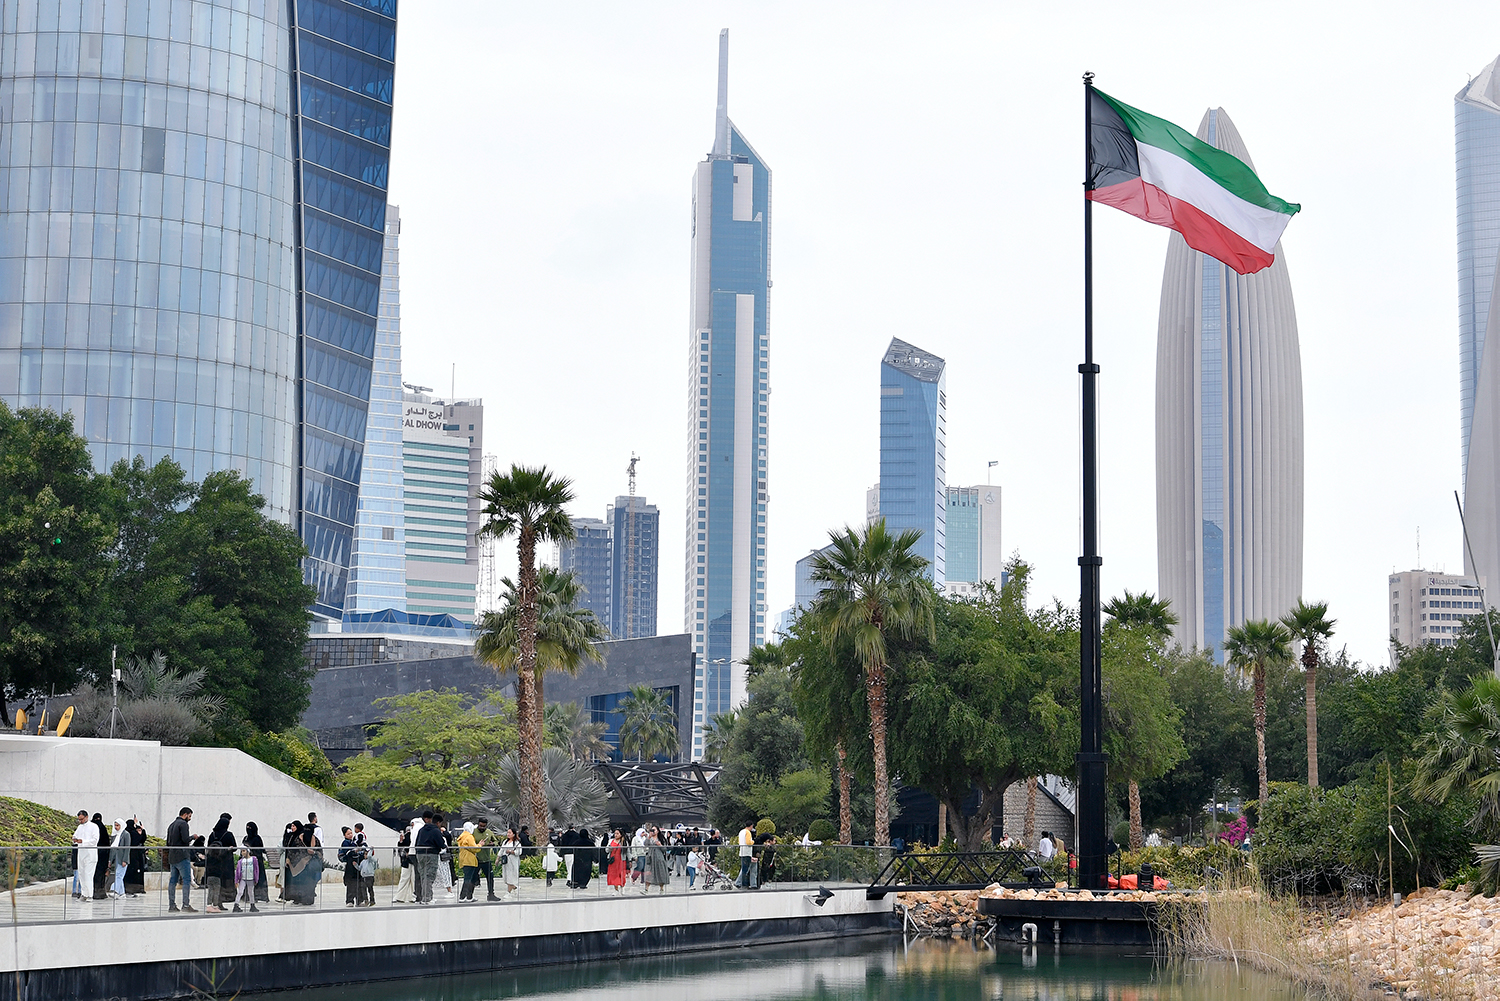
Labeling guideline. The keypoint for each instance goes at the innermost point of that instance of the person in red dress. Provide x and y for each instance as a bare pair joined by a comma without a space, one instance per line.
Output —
616,875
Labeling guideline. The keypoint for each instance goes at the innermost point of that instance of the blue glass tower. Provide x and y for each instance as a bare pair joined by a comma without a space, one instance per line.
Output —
728,360
344,68
914,449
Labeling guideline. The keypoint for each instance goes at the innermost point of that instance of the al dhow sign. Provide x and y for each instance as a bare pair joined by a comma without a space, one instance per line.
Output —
422,417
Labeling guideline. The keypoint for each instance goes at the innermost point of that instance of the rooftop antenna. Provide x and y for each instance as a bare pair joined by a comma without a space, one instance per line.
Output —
630,546
992,465
1483,602
721,114
1419,542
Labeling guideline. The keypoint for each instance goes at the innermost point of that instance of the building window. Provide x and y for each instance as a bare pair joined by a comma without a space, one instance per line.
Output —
388,534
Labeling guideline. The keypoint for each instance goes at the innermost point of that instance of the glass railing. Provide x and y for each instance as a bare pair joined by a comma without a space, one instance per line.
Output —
46,883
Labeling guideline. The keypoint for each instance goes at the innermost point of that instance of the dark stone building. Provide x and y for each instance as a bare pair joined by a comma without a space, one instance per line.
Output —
343,697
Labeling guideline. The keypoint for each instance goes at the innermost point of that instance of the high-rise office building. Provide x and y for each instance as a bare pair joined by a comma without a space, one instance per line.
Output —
634,568
805,590
1476,140
442,456
728,362
587,555
1228,436
377,567
973,552
192,203
1476,112
1431,608
913,489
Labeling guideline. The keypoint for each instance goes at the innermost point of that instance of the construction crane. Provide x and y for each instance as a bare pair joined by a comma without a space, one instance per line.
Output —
630,546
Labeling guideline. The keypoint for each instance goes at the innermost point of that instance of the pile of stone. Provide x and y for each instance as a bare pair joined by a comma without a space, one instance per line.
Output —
1437,944
944,913
1002,893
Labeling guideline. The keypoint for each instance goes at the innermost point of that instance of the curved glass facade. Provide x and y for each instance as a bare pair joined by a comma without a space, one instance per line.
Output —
147,244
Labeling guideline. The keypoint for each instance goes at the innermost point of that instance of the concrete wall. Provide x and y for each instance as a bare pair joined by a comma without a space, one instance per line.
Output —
124,778
1050,815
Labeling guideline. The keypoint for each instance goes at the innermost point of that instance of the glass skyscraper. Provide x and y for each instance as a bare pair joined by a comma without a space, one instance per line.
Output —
377,569
914,449
1476,141
588,556
1228,437
634,568
725,575
192,203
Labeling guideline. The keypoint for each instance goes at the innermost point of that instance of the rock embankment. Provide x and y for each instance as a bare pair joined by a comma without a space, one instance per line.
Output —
1003,893
943,913
1437,944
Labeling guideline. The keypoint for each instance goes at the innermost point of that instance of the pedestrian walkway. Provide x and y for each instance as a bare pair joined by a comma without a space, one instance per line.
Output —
32,906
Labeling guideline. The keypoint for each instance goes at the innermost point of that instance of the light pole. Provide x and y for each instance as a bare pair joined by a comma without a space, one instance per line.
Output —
114,684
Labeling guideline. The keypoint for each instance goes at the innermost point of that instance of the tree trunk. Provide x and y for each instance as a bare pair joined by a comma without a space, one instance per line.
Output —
530,750
1260,733
875,691
539,706
1137,836
1028,834
1310,663
846,797
942,823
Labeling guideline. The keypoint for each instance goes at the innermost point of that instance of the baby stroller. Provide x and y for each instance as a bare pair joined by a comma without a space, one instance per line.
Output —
712,877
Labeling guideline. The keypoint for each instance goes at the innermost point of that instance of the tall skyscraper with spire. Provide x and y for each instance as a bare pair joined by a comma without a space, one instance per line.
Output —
1228,436
728,359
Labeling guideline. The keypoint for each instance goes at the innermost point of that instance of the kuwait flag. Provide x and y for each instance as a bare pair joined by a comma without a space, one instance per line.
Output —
1155,171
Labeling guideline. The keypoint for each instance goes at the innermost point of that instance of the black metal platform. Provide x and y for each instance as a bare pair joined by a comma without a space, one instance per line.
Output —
1100,921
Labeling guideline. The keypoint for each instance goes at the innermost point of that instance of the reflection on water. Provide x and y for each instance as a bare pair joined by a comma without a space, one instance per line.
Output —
871,968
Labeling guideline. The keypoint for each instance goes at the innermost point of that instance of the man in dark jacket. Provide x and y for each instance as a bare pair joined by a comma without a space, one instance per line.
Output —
179,859
430,843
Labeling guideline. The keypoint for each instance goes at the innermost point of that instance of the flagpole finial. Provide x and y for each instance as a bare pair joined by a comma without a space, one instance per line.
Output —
1088,79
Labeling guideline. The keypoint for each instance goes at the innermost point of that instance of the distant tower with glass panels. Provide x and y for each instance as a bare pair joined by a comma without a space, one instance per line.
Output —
635,574
192,213
728,352
377,570
1228,436
914,449
587,556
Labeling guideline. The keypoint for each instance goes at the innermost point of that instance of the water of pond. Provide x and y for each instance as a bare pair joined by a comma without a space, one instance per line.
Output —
881,969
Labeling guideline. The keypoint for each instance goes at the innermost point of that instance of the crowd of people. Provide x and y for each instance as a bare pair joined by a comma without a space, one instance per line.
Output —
435,858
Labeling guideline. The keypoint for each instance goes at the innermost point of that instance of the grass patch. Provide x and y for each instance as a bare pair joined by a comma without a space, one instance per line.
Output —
23,822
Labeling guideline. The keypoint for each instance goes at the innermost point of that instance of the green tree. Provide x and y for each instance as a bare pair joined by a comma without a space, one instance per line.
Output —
221,589
763,656
1131,726
1461,751
156,702
55,537
1218,734
718,734
566,635
1310,625
767,743
528,502
874,589
573,730
1143,726
575,796
1252,648
794,800
650,725
992,700
434,748
831,704
1369,718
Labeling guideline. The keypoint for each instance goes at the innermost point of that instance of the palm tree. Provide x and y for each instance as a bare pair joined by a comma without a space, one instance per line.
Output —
574,795
874,588
720,732
567,726
529,502
1143,610
565,634
1256,646
1461,753
1311,625
1140,611
767,655
650,726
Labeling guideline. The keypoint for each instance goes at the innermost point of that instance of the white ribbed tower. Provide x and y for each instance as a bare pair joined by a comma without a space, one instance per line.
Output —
1228,436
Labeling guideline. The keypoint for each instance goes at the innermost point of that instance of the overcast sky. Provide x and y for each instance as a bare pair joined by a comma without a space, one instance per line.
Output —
926,185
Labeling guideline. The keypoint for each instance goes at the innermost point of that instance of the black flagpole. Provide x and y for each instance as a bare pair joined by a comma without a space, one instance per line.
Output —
1093,862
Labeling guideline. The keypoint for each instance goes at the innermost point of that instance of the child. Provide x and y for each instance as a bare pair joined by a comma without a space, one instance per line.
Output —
550,862
246,875
694,859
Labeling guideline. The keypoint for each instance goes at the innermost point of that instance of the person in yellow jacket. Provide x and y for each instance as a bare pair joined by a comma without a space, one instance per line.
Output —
468,860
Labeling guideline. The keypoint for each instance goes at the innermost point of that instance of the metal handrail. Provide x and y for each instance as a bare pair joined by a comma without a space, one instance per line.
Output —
956,870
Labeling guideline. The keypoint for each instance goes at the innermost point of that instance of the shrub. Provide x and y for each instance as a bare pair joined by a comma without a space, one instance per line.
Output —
1185,867
1302,843
822,830
766,826
356,799
295,754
